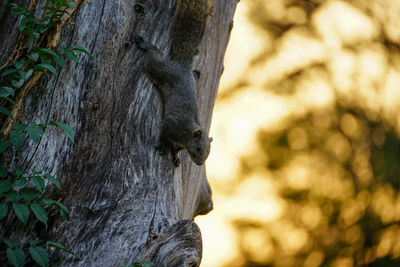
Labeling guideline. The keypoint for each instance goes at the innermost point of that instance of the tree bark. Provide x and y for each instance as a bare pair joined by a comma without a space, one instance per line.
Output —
126,202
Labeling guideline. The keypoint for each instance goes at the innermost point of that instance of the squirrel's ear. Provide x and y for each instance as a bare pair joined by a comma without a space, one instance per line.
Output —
197,133
211,139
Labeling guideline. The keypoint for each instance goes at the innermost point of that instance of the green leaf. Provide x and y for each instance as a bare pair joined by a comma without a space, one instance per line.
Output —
35,172
40,255
12,195
18,65
63,49
17,83
20,182
19,172
12,6
19,13
34,57
11,243
28,74
3,210
17,138
4,145
4,93
48,201
62,208
22,74
59,246
71,4
72,56
22,212
45,26
147,263
6,111
81,49
28,19
29,194
45,59
40,213
52,9
10,100
59,60
5,185
34,243
41,67
8,72
142,264
35,132
38,182
35,34
53,180
67,130
63,211
3,171
16,256
8,89
19,127
47,51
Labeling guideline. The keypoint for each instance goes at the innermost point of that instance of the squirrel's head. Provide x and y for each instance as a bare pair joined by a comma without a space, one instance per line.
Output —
199,146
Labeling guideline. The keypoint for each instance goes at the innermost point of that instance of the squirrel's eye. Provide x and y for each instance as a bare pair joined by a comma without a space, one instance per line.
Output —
198,148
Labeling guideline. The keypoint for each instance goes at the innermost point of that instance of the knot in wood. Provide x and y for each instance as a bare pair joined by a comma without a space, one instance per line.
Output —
152,237
139,9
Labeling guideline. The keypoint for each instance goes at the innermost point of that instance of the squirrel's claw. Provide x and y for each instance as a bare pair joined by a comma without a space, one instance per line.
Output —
140,42
162,150
176,161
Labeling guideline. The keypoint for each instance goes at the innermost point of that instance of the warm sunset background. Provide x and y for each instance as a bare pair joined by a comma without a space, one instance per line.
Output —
305,163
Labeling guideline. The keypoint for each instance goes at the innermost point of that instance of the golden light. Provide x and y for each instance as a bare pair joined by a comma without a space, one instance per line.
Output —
308,103
258,245
314,259
340,23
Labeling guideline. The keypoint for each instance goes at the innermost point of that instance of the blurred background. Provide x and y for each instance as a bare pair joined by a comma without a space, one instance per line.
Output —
305,163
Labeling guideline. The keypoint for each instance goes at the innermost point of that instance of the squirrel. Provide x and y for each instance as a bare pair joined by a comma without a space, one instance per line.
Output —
173,78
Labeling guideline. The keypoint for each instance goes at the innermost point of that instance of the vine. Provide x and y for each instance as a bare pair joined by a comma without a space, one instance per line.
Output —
36,52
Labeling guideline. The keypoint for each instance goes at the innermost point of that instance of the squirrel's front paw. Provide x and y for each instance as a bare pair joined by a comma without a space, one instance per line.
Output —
176,161
162,150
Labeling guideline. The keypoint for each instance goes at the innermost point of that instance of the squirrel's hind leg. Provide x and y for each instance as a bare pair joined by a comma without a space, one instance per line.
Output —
157,67
154,55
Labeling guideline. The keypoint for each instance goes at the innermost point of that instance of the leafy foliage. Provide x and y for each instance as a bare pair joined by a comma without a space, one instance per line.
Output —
332,162
21,190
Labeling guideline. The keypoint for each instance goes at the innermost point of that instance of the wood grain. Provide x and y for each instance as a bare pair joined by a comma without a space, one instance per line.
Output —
118,188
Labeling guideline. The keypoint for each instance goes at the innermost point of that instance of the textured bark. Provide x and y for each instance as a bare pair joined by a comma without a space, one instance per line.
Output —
126,201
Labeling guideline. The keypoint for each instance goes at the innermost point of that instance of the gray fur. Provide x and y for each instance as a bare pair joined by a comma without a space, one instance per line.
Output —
180,127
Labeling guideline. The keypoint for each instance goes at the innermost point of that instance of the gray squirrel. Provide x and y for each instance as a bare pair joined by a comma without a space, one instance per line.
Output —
173,77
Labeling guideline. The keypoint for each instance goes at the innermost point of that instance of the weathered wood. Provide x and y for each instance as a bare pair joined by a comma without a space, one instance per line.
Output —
180,246
118,188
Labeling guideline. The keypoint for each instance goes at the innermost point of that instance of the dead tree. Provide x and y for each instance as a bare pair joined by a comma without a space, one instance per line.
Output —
126,202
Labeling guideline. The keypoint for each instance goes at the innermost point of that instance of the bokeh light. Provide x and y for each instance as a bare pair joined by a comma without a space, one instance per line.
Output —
305,163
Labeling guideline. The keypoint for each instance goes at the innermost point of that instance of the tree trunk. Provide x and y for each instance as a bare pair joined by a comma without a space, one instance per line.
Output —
126,202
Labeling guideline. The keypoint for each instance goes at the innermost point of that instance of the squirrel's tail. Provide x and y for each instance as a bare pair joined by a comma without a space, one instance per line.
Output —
188,28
